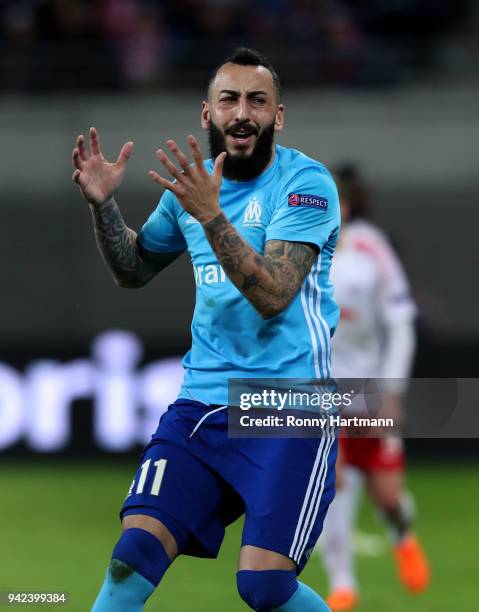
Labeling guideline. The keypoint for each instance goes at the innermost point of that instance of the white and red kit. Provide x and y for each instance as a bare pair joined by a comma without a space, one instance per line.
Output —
375,337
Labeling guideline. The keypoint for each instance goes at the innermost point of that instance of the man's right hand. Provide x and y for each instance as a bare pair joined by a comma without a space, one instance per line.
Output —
97,177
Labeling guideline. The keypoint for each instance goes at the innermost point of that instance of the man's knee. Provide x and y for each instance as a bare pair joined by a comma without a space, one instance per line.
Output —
266,589
146,546
256,558
169,541
140,551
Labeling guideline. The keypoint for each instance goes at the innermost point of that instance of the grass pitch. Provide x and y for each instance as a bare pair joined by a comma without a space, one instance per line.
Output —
58,523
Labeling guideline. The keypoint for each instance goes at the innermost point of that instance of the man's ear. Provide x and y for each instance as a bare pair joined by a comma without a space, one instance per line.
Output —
279,119
205,115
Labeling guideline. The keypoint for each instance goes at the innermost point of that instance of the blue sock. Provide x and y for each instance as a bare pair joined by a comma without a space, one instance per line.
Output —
137,566
304,600
264,590
128,594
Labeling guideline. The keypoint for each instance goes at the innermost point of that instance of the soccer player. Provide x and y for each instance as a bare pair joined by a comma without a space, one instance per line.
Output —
260,223
375,339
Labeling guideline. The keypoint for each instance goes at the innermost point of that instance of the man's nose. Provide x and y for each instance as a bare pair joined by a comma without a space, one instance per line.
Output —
242,110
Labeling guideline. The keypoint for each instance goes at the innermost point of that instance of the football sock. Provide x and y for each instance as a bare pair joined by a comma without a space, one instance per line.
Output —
335,542
128,593
277,591
137,566
399,520
304,600
266,589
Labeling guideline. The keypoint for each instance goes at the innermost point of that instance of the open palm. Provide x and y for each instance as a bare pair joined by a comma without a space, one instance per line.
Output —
97,177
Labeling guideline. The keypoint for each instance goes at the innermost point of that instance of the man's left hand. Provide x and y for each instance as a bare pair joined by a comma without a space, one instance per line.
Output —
196,190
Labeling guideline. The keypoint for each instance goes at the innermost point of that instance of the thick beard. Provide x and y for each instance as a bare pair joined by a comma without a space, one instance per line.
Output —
243,167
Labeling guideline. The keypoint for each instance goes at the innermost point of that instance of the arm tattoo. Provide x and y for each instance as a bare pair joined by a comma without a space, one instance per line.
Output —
130,265
268,281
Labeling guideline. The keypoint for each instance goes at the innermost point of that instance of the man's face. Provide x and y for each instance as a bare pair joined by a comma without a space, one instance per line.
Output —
241,115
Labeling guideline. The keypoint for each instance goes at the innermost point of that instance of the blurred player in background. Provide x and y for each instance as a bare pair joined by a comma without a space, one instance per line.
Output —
375,339
260,223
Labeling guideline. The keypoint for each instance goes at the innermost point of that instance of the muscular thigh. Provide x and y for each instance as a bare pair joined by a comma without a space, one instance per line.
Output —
255,558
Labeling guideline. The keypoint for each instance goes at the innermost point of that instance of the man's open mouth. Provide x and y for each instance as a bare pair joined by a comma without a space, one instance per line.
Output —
242,135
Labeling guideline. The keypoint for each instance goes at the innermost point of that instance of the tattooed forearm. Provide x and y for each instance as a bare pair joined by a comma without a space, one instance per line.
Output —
268,281
119,248
116,242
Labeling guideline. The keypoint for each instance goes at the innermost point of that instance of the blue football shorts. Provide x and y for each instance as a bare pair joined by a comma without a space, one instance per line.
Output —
197,480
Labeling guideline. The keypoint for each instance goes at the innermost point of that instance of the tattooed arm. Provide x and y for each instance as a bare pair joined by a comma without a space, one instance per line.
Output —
132,266
268,281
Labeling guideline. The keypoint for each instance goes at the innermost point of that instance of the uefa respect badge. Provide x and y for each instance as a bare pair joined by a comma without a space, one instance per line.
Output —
307,200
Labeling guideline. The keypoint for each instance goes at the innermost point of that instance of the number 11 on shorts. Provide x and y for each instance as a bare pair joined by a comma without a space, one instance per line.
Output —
160,466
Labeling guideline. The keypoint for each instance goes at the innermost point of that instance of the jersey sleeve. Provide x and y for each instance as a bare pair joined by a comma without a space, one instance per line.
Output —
397,304
395,300
161,232
307,209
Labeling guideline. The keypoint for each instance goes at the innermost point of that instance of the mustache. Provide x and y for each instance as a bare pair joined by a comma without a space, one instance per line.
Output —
245,126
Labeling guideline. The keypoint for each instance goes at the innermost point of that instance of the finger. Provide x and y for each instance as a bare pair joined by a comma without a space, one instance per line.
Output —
163,182
180,156
196,151
76,176
94,142
76,159
218,169
170,166
82,148
125,153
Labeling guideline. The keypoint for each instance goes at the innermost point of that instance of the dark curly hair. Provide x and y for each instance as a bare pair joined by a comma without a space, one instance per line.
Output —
353,188
243,56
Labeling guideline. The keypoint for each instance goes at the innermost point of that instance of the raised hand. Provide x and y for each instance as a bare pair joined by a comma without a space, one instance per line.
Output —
196,190
97,177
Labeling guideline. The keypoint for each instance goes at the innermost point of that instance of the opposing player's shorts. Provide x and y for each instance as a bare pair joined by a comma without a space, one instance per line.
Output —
197,480
373,454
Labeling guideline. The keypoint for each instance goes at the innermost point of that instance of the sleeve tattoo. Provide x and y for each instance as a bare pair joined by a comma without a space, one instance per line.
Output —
131,265
268,281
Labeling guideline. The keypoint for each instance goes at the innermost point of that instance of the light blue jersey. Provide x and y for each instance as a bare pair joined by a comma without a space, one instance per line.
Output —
295,199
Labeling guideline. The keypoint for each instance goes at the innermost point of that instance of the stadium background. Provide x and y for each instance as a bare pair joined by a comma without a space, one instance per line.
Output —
393,86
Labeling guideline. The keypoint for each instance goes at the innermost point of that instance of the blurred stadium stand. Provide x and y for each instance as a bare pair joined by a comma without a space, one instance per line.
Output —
118,45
